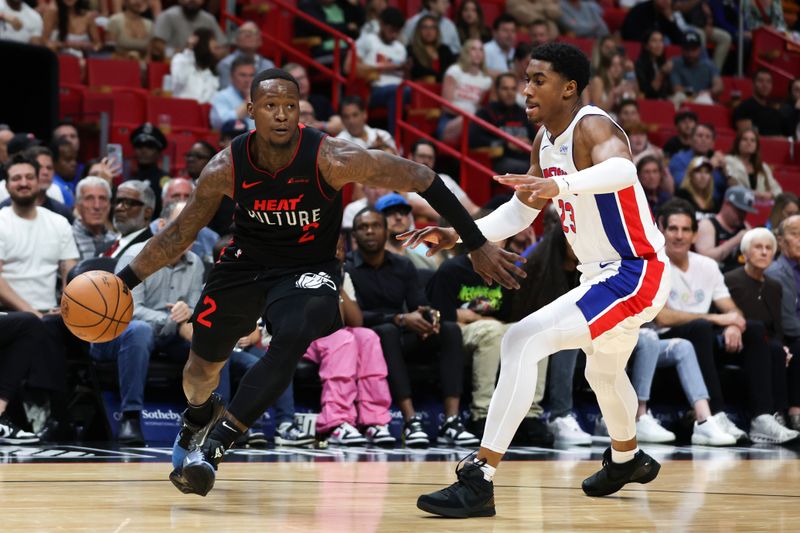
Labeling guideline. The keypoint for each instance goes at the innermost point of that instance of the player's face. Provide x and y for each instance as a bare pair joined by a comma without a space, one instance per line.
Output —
545,90
22,184
276,111
370,232
761,252
679,235
93,206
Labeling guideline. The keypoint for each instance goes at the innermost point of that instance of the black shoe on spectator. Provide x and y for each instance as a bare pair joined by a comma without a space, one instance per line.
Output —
533,432
130,432
55,431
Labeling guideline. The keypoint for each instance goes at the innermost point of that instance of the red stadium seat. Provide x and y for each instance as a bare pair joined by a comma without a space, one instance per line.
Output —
632,49
156,71
585,45
176,114
69,69
113,73
718,115
672,50
128,107
776,150
660,112
724,140
731,84
120,134
788,176
614,18
70,102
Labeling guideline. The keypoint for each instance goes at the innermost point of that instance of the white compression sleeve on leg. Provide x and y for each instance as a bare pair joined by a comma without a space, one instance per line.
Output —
608,176
507,220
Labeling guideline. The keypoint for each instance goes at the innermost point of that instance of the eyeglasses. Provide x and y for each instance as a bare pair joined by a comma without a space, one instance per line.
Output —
127,202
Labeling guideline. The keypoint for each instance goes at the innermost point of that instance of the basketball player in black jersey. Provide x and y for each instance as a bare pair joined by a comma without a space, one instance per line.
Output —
280,265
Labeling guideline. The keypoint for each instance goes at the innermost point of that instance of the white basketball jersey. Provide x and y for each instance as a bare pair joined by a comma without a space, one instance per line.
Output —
600,228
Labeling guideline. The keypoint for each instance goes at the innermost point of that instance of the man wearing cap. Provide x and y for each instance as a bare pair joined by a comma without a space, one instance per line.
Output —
693,75
719,237
397,211
685,121
148,144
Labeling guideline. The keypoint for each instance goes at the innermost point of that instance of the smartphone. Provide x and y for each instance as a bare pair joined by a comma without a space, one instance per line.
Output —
114,154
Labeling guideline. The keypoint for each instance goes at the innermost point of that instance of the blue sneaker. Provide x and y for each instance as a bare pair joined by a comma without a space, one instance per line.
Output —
191,435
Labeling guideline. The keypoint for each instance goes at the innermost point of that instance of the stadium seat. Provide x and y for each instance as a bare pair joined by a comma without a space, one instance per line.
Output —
632,49
724,140
70,102
585,45
614,17
788,176
69,69
156,70
776,150
129,107
731,84
176,113
113,73
672,50
660,112
718,115
120,133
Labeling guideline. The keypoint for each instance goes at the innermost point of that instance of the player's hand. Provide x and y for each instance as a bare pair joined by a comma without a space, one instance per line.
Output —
493,263
436,238
733,339
179,312
417,323
538,187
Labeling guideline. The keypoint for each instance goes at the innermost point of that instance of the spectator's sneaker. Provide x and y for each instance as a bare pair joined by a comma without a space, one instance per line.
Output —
729,427
612,477
470,496
291,434
413,434
765,429
533,431
199,469
346,435
252,438
453,433
794,422
566,430
10,433
192,435
648,429
380,436
710,434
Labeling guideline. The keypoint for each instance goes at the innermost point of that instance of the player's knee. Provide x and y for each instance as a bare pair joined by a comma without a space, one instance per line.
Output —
600,378
198,368
527,341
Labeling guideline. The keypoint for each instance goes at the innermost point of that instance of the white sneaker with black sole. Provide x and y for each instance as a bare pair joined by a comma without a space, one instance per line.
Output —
346,435
290,434
566,430
413,434
765,429
379,436
453,433
10,433
710,434
729,427
649,429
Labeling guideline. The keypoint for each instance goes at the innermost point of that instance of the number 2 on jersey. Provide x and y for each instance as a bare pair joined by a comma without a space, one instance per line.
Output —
308,236
567,212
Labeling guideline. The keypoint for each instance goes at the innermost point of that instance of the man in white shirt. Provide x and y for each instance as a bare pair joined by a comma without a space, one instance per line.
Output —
231,102
248,43
356,130
35,244
20,22
500,50
447,30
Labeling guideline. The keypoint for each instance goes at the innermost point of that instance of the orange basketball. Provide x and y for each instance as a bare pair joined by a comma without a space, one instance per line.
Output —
96,306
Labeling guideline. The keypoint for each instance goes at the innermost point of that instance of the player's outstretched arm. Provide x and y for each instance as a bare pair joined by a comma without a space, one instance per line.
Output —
216,180
342,162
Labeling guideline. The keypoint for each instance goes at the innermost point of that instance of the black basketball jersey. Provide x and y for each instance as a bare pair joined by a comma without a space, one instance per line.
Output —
287,219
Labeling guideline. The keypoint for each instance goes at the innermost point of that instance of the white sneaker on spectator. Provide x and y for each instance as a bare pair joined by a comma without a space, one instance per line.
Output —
764,428
567,431
290,434
648,429
710,434
346,435
729,427
413,434
10,433
453,433
379,435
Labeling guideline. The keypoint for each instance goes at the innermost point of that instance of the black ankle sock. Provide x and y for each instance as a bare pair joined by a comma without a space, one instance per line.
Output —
200,414
130,415
225,432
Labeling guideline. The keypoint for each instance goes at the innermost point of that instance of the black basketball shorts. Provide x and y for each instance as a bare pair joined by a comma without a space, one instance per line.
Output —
239,292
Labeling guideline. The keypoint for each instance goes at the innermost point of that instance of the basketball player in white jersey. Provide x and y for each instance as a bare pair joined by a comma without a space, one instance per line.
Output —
582,160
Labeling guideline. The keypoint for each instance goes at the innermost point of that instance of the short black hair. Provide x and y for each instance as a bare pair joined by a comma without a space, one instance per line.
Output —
706,125
35,151
504,18
422,142
56,144
241,61
19,159
627,102
392,17
500,77
270,74
567,60
208,146
761,70
676,206
366,210
523,51
353,99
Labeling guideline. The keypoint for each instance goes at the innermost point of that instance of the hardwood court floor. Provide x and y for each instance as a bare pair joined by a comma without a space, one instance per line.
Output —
701,495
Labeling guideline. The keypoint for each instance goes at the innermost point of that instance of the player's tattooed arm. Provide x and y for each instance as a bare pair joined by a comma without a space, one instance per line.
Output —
216,181
343,162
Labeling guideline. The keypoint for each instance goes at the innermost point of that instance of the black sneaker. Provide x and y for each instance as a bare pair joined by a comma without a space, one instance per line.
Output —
192,435
612,477
200,467
413,434
533,432
470,496
453,433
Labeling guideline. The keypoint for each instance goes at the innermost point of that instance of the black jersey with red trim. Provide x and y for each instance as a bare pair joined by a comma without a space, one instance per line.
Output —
290,218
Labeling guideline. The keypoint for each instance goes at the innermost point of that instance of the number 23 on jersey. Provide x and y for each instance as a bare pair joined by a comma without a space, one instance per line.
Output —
567,216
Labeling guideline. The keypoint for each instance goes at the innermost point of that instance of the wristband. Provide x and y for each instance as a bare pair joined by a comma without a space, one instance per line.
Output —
129,277
447,205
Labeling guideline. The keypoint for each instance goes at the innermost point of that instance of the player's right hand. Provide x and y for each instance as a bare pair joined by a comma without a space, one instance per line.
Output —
493,263
435,237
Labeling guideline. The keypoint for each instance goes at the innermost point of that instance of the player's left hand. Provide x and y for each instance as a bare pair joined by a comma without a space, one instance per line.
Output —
493,263
538,187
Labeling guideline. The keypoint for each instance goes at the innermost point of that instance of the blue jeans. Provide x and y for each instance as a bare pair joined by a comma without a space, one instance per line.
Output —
385,96
560,374
651,353
131,351
240,363
176,349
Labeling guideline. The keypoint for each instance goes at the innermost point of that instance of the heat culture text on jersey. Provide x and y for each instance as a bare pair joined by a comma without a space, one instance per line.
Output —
283,212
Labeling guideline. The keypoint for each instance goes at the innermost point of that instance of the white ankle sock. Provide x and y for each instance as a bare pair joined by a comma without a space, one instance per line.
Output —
487,469
623,457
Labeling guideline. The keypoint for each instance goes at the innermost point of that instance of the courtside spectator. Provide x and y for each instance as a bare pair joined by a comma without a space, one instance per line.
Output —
193,69
129,32
719,237
653,69
694,76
